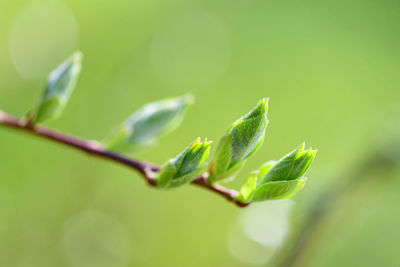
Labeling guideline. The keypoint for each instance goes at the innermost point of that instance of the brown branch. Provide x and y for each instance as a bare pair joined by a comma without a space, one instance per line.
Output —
229,194
146,169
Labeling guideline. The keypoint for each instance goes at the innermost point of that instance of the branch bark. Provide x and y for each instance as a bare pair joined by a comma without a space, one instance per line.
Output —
146,169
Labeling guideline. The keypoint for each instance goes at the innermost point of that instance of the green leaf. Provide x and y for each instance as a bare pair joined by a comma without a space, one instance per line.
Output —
278,190
243,138
281,169
147,124
167,172
290,167
185,167
265,167
60,84
248,133
248,188
302,163
278,179
223,157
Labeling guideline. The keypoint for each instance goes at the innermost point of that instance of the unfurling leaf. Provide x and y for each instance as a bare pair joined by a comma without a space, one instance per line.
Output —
279,179
290,167
60,84
247,190
278,190
185,167
243,138
144,126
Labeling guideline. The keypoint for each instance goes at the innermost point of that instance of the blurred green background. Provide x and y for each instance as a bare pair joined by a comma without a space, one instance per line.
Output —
330,68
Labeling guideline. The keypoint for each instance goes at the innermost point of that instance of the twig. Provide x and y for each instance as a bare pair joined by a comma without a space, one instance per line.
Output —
146,169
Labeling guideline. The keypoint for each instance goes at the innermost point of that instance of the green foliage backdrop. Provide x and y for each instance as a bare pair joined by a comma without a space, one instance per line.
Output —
331,72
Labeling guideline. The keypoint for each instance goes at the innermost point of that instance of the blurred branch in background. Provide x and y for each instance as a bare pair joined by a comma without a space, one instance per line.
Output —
330,67
381,164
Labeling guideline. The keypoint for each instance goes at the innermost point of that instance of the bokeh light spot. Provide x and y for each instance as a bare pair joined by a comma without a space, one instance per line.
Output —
259,231
267,222
41,36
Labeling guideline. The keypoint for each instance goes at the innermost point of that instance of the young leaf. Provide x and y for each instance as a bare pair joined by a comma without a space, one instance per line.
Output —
291,166
265,167
60,84
144,126
278,190
279,179
185,167
243,138
246,192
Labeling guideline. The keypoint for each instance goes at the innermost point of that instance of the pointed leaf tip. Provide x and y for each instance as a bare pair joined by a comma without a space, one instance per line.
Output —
185,167
60,85
149,123
243,138
77,57
189,99
280,179
291,166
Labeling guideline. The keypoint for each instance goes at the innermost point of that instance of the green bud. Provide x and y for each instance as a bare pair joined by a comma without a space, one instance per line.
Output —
279,179
144,126
60,84
185,167
243,138
247,190
290,167
278,190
